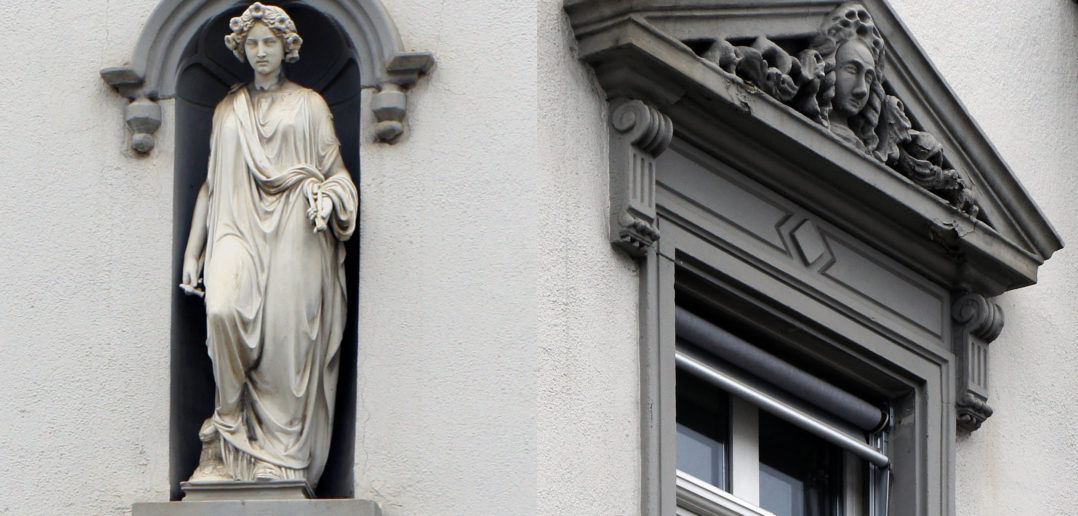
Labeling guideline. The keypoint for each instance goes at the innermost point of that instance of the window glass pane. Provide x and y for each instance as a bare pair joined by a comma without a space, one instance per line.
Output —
800,475
703,430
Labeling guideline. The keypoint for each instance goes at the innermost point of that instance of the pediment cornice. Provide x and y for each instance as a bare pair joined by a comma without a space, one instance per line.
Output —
656,51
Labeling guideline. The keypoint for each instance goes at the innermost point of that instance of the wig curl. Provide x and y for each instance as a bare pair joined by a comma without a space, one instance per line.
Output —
278,22
851,22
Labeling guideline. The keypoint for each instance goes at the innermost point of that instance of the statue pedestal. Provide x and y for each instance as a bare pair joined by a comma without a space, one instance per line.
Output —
274,498
236,490
260,508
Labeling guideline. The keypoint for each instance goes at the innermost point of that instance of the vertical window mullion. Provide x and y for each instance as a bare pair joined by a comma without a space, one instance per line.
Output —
854,473
880,479
744,450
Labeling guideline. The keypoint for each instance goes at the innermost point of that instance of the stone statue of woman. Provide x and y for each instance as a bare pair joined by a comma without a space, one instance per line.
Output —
267,229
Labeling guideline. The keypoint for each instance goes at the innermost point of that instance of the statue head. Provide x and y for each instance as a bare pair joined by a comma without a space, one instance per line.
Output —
270,17
853,51
855,71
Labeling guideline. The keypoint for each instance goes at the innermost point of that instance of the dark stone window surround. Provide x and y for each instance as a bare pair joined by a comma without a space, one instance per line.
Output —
661,91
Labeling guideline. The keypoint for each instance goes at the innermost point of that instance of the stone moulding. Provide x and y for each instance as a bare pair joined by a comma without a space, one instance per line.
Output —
152,72
641,133
653,51
741,79
977,322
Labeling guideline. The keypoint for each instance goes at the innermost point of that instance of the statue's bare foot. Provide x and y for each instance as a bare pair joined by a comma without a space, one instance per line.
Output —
211,466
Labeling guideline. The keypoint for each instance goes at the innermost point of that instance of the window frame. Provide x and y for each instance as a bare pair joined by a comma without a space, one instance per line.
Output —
643,58
743,456
919,379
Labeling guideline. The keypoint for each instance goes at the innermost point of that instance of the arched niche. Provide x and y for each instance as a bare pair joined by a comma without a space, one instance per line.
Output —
153,71
348,45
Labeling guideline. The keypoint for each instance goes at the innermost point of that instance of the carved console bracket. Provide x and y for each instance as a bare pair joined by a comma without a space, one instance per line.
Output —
153,70
978,321
142,115
391,104
641,133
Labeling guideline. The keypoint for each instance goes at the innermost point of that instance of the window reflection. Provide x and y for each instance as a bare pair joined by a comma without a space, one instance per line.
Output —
800,475
703,431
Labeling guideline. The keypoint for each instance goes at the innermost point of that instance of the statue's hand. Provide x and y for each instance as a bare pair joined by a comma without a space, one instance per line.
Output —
320,212
325,207
189,276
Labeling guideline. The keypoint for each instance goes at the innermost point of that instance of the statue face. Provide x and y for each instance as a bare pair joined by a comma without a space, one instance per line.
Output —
854,73
265,51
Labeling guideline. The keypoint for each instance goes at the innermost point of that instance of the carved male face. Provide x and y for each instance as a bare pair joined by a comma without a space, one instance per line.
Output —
855,71
265,51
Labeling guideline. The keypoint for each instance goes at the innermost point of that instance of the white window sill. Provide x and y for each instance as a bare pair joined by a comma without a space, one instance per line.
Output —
698,498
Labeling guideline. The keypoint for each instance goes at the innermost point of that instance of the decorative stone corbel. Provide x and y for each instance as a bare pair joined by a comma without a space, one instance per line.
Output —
641,133
142,116
978,321
391,104
152,73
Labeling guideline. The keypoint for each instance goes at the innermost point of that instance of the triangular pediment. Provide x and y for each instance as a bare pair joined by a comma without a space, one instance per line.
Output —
911,150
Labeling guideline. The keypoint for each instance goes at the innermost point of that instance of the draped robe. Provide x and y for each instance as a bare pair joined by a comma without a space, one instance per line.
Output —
275,288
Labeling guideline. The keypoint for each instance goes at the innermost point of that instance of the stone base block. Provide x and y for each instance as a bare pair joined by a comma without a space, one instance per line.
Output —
260,508
236,490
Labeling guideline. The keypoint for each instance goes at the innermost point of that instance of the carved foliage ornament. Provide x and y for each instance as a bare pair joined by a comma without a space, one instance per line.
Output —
838,81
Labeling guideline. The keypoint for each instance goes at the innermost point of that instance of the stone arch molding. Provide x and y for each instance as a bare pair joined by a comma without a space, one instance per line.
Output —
153,70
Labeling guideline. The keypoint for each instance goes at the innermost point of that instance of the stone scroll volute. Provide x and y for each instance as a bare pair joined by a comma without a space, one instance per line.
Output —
977,322
640,134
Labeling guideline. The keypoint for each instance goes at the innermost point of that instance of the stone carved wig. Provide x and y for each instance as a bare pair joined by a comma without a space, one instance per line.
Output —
812,83
851,23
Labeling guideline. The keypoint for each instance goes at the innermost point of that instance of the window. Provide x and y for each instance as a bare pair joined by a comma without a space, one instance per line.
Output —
863,278
703,431
792,368
793,445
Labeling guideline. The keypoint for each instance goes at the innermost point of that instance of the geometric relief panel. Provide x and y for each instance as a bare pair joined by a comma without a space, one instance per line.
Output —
809,246
809,242
720,197
884,285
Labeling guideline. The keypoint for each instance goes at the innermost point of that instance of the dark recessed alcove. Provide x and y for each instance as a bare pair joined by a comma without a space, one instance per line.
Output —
327,64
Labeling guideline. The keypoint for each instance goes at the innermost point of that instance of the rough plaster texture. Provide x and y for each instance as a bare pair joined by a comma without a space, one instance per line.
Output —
447,283
498,361
449,267
1013,65
588,434
84,270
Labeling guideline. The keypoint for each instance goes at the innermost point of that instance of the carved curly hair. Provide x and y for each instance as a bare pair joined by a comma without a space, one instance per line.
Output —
276,19
852,22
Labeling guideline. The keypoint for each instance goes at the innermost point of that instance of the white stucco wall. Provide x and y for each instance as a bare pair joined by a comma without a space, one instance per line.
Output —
84,270
448,296
498,361
450,239
1014,66
588,382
